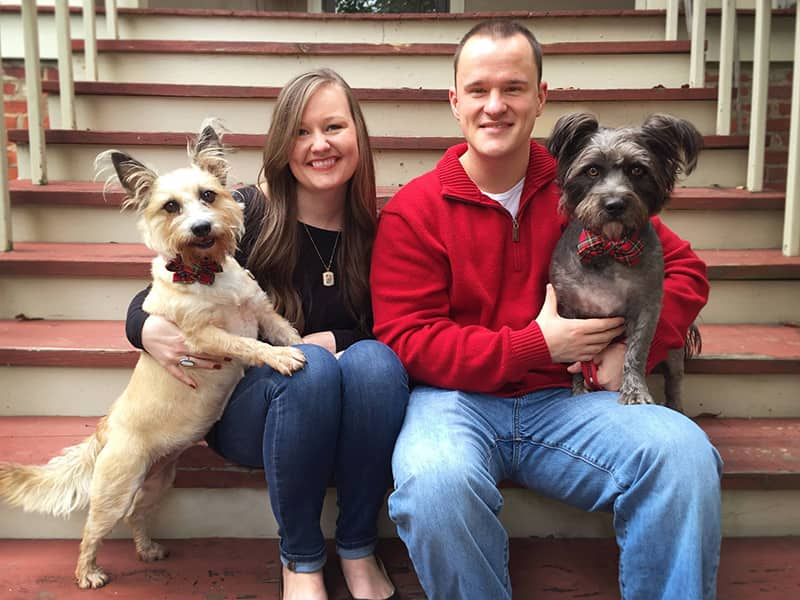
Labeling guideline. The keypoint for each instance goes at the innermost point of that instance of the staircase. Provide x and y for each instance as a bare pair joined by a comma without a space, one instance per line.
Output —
77,262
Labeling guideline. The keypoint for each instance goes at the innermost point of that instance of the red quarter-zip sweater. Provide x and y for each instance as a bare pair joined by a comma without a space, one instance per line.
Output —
457,282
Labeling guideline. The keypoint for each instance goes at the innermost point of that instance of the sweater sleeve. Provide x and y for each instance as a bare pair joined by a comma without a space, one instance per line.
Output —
134,322
685,293
410,279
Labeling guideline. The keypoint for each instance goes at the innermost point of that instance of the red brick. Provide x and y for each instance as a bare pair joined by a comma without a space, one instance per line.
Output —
14,71
16,107
12,122
12,172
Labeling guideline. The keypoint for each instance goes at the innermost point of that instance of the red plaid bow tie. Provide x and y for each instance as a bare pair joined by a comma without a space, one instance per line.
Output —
202,273
626,250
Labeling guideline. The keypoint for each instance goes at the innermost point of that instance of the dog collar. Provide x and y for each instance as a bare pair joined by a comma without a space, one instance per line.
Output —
627,250
203,273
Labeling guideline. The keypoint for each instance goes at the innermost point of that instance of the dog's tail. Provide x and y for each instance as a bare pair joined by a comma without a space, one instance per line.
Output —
694,343
59,487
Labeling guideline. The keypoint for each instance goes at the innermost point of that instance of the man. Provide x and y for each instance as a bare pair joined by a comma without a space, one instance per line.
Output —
460,292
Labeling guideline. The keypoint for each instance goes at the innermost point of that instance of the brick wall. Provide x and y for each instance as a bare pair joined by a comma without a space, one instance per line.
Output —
779,98
15,103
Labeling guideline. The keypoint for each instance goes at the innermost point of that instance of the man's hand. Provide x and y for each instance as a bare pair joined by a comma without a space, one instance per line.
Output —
165,343
609,367
575,340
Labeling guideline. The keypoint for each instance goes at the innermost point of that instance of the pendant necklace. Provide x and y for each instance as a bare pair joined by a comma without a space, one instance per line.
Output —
328,279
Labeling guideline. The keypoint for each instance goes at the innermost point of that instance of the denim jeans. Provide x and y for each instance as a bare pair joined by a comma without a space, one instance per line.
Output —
652,467
335,421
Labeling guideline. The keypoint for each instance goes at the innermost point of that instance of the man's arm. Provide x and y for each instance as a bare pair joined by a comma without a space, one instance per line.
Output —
411,278
685,293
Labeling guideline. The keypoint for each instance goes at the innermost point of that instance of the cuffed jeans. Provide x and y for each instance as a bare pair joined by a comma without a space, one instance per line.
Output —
332,421
651,466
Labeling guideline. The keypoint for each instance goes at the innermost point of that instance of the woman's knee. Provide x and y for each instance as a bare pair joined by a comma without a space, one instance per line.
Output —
373,362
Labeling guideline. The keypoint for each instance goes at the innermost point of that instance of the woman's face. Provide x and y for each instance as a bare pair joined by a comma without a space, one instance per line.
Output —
325,152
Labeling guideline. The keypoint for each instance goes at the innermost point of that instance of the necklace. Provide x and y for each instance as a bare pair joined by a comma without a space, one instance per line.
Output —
328,280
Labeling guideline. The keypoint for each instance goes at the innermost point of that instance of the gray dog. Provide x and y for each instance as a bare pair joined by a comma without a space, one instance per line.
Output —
609,260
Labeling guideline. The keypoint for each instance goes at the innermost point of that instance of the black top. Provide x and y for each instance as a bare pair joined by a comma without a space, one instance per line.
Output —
323,307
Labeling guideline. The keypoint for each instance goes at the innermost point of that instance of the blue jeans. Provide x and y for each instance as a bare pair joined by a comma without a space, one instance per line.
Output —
333,421
650,466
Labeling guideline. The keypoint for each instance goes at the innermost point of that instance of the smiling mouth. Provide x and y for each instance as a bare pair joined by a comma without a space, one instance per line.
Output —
326,163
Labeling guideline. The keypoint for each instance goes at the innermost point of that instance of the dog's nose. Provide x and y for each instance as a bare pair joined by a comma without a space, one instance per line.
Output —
614,206
201,229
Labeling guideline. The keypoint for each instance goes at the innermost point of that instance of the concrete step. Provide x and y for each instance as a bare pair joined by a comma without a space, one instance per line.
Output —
545,569
96,281
71,154
75,211
388,112
212,497
604,64
743,371
549,26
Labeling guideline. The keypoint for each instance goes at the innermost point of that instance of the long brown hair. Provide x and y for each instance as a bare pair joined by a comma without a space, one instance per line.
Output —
275,251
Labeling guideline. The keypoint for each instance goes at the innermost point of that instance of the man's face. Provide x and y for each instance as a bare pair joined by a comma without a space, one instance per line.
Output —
496,98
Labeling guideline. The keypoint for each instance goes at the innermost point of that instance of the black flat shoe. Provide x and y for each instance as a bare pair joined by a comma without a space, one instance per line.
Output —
394,595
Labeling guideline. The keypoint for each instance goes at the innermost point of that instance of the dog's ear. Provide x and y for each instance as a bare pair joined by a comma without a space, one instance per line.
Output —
135,178
208,153
675,143
569,135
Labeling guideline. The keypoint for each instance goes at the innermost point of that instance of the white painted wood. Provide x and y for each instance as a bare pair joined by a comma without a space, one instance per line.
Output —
5,201
33,86
717,167
725,80
406,118
243,513
89,41
112,23
65,75
29,391
588,71
791,220
697,59
671,32
758,101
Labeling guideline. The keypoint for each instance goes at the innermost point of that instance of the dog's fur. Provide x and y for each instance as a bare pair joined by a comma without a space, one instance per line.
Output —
612,182
129,462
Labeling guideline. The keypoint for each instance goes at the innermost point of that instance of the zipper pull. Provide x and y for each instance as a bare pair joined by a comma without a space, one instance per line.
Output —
514,230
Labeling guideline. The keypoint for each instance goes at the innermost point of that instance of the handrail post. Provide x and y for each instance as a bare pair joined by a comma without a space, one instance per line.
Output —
758,98
671,29
89,40
697,60
33,85
5,199
727,42
112,25
791,216
66,81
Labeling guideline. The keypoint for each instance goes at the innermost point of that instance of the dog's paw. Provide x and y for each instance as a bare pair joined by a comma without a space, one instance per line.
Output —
92,579
152,552
286,360
635,397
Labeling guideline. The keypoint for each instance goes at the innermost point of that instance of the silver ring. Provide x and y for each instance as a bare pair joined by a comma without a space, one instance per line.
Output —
186,361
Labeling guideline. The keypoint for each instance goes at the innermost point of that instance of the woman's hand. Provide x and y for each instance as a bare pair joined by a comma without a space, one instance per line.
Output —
322,338
165,343
609,367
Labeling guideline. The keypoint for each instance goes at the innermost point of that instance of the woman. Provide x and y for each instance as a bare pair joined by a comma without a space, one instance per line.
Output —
310,224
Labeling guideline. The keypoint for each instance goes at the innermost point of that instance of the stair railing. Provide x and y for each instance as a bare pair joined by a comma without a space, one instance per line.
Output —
728,62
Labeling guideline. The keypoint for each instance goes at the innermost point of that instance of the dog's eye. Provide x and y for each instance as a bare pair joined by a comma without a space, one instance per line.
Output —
171,206
208,196
637,171
593,172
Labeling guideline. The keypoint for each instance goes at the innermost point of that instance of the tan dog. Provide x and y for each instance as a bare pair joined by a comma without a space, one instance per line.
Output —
122,470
